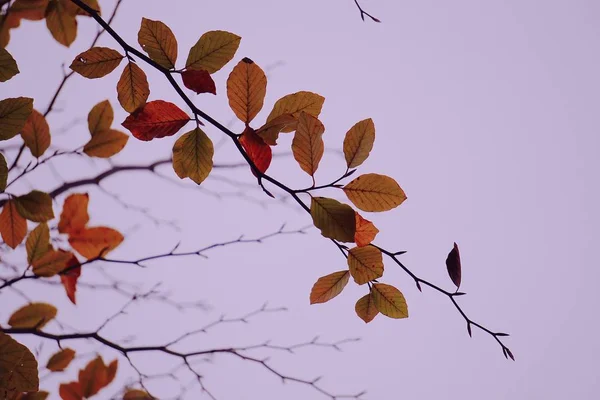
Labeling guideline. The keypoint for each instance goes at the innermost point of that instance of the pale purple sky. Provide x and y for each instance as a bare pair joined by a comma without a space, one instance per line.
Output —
487,115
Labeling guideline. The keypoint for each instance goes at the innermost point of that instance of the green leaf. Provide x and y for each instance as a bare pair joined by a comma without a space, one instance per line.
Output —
193,156
35,206
334,219
13,115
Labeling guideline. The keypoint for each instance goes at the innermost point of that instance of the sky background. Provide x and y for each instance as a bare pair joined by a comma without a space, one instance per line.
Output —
486,113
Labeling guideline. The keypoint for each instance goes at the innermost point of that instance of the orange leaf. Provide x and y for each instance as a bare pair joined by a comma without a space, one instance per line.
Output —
156,119
308,102
258,151
100,117
453,265
329,286
308,146
358,142
70,277
74,215
70,391
96,62
365,263
365,231
246,90
389,301
93,377
36,134
199,81
13,226
105,144
52,263
95,242
111,371
269,132
61,23
60,360
365,308
375,192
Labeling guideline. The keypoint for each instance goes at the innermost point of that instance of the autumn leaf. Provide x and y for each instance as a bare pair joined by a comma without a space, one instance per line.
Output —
36,134
358,142
453,265
213,50
74,216
70,391
269,132
106,144
308,102
60,360
95,242
365,308
365,264
41,395
35,206
18,365
96,62
308,146
93,377
3,173
135,394
193,156
13,115
374,192
329,286
132,89
51,263
159,42
33,315
259,152
246,90
8,66
61,22
33,10
37,242
156,119
365,231
100,117
70,277
13,226
334,219
389,301
111,371
199,81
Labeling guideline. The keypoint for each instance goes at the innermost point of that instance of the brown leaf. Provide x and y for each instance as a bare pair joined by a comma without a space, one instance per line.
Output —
8,66
105,144
74,216
334,219
132,89
93,377
61,22
13,226
96,62
51,263
358,142
213,50
365,264
69,278
270,131
365,308
100,117
329,286
193,156
36,134
38,242
156,119
453,265
389,301
70,391
60,360
14,113
135,394
33,315
18,365
159,42
246,90
308,146
308,102
35,206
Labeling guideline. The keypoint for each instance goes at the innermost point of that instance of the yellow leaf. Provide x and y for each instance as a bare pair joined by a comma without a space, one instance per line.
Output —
13,115
19,367
365,263
365,308
213,50
358,142
159,42
100,117
95,242
389,301
13,226
132,89
60,360
246,90
106,144
308,102
36,134
135,394
269,132
3,173
61,22
365,231
51,263
374,192
35,206
334,219
193,156
33,315
74,214
308,146
96,62
329,286
8,66
38,242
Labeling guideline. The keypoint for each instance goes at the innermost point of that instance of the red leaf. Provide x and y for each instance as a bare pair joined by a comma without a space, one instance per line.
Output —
69,278
70,391
199,81
365,231
453,265
258,151
156,119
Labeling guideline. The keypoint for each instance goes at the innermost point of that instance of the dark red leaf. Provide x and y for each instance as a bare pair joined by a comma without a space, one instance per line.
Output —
258,151
453,265
156,119
69,278
199,81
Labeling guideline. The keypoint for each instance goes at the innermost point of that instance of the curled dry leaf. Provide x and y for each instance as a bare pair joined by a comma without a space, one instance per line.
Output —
156,119
329,286
270,131
453,265
96,62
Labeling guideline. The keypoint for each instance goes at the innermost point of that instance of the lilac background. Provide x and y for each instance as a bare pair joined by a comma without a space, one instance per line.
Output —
487,115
